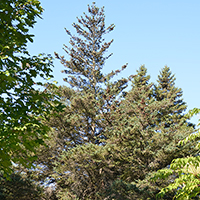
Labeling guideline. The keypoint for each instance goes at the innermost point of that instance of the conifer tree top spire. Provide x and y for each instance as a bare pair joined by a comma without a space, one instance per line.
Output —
166,78
87,51
166,90
141,78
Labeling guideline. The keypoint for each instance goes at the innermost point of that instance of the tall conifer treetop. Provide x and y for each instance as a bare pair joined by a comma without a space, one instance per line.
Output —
166,90
141,78
87,51
94,91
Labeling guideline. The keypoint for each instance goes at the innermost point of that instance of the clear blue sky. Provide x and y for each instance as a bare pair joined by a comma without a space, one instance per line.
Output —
155,33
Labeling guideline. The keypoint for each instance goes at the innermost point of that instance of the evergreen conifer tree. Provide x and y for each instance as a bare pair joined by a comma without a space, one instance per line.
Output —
144,145
166,89
141,79
85,167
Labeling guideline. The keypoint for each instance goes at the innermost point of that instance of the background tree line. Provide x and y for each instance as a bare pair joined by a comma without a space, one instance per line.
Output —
93,138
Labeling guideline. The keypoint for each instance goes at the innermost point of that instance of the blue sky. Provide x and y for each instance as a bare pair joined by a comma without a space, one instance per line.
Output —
154,33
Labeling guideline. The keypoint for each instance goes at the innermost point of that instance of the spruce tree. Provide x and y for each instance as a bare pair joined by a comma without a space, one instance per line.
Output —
139,143
166,89
84,72
144,146
141,78
85,169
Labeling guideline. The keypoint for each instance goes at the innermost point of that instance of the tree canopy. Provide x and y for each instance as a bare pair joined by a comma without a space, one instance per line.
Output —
187,170
21,104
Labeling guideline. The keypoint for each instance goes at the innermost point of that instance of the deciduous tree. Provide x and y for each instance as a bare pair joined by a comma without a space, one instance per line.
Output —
187,180
22,106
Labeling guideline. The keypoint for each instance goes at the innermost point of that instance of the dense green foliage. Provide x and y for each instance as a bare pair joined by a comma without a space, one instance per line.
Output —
147,144
19,187
173,114
21,105
188,180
